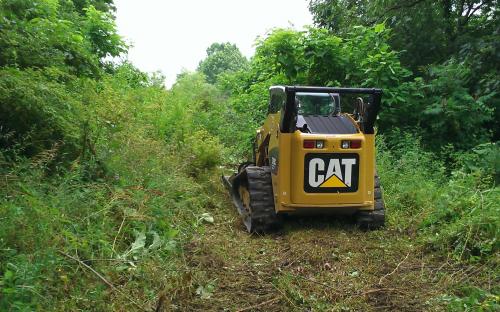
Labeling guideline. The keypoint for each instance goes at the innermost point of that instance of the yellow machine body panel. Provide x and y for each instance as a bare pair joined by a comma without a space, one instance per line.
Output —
287,157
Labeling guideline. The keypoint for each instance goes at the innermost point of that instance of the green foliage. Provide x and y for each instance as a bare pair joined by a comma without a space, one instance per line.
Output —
48,52
339,16
52,34
202,151
99,27
449,111
281,52
123,197
99,223
466,218
196,111
484,159
221,58
473,299
39,111
451,46
128,224
427,31
409,176
458,213
101,5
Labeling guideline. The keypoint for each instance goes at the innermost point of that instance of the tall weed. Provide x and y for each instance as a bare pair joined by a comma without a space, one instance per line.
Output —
456,212
127,224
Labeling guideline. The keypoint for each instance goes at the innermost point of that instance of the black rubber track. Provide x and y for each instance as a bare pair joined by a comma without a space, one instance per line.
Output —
373,219
263,217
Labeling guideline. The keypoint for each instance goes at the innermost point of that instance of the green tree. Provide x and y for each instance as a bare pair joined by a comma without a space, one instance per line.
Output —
101,5
221,58
427,31
434,37
49,33
51,54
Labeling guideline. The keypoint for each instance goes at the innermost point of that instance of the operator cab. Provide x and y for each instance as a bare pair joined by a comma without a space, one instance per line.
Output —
320,113
323,104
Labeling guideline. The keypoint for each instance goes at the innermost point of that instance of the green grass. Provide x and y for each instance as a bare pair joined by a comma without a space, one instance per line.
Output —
454,212
129,233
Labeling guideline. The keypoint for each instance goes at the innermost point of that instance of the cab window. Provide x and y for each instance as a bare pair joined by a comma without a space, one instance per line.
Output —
322,104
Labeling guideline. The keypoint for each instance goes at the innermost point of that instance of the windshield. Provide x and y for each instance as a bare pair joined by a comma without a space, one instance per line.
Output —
323,104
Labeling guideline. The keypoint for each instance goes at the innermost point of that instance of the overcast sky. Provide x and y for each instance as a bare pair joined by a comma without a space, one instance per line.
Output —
169,35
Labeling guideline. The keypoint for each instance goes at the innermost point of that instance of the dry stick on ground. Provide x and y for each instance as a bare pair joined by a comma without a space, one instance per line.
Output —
108,205
102,278
462,274
393,271
437,270
469,274
284,295
116,237
259,305
289,264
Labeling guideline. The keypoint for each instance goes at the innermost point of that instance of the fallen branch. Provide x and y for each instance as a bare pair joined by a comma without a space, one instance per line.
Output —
284,296
395,269
116,237
295,260
469,274
102,278
259,305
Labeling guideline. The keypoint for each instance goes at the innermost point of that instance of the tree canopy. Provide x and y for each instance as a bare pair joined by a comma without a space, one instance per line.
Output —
221,58
50,52
73,36
426,31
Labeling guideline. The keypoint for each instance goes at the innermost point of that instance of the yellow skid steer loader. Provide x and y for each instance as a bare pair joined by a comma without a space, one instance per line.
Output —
312,157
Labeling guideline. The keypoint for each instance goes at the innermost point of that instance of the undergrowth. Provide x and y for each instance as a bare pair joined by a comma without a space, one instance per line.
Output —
455,211
123,209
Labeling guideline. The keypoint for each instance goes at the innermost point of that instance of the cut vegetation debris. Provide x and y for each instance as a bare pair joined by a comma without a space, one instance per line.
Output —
320,264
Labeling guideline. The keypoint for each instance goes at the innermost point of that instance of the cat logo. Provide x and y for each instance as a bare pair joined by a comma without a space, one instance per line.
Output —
327,173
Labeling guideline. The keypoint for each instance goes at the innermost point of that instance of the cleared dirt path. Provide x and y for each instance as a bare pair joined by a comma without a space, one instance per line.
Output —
314,264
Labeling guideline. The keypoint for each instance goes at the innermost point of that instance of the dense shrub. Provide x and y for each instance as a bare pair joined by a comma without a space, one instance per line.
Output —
457,213
202,152
127,224
40,112
119,229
